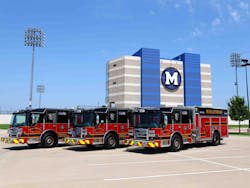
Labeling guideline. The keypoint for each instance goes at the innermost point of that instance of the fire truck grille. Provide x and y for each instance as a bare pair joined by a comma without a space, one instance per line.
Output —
140,133
78,131
14,132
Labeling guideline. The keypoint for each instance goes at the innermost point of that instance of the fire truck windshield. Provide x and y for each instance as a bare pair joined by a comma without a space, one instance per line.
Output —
147,120
18,120
84,119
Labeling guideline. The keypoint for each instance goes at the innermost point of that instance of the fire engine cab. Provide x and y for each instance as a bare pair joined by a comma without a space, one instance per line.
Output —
174,126
39,126
99,126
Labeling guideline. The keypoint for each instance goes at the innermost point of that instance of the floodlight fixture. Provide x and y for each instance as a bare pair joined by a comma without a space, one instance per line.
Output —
33,37
235,61
40,89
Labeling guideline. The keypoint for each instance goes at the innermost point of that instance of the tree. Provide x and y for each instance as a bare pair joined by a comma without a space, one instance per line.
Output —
238,109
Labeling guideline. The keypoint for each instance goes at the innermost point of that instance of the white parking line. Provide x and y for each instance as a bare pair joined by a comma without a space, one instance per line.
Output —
212,162
138,162
168,175
211,150
168,161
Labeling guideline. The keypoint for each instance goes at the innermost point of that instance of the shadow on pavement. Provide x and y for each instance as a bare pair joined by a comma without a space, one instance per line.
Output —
150,151
26,147
89,148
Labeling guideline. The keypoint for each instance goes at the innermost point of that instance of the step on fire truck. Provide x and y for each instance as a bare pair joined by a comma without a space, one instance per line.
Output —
39,126
174,126
99,126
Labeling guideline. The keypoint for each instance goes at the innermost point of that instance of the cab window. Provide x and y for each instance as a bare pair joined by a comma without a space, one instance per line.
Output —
122,117
187,116
112,117
176,116
62,117
51,117
100,118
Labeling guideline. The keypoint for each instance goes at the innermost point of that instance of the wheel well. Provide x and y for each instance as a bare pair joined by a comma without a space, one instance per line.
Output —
51,132
112,132
176,133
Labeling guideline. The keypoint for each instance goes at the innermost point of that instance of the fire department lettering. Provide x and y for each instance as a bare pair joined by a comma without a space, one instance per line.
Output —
171,78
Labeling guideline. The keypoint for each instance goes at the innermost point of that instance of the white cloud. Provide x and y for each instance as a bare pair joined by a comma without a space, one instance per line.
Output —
188,1
218,7
243,5
163,3
177,5
197,32
233,13
190,6
216,22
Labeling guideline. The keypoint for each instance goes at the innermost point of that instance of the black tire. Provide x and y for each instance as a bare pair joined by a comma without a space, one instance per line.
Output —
216,139
33,145
176,143
49,140
111,141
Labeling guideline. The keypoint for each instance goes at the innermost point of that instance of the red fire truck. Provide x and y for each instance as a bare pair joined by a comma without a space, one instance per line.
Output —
174,126
39,126
99,126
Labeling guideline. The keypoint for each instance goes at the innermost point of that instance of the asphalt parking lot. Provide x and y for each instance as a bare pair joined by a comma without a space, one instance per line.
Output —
227,165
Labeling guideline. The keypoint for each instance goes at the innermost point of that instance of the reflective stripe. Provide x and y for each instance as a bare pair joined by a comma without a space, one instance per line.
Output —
87,141
81,142
151,145
139,144
132,143
156,144
15,141
67,141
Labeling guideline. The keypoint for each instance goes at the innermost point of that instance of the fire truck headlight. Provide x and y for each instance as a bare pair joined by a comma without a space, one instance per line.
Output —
151,133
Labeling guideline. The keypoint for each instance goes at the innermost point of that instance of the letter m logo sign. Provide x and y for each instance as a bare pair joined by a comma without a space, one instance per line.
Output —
171,78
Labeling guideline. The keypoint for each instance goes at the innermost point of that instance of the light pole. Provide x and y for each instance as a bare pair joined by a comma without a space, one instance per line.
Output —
245,61
235,62
33,37
40,89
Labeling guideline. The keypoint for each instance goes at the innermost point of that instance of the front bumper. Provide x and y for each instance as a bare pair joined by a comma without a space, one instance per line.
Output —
10,140
144,143
78,141
20,140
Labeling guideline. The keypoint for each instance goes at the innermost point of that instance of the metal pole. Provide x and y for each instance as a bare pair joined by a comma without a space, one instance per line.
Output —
40,96
247,95
236,82
32,75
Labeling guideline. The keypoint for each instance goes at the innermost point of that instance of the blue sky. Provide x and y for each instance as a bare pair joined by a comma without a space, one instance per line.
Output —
82,35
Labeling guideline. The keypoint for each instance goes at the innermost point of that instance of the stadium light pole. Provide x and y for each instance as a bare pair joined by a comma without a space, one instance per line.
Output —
235,62
34,37
40,89
245,61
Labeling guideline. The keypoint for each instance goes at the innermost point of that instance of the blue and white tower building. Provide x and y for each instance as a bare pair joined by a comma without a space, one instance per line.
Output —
144,79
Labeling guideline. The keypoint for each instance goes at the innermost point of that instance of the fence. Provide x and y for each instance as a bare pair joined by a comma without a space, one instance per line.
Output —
5,118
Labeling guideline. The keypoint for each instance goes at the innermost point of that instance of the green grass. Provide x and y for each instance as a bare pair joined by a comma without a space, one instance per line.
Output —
4,126
241,134
237,126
